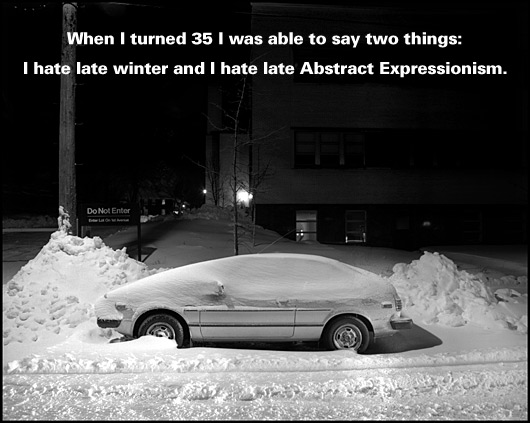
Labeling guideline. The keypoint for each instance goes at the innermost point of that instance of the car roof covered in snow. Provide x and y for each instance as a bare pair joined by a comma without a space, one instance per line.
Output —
257,277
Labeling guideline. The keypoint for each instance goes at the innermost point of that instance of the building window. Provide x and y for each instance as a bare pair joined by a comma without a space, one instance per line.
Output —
356,226
402,149
329,149
306,225
305,149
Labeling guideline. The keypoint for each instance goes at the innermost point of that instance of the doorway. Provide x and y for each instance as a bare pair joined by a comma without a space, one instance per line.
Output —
355,226
306,225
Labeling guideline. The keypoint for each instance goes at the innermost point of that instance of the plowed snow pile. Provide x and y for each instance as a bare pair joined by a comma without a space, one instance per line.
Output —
51,297
55,292
434,290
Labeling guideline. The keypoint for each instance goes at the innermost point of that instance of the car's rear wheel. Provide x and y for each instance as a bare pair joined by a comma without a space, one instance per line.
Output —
163,326
347,333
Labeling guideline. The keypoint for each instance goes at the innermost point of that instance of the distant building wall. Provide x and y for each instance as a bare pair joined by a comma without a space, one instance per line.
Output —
406,226
461,174
281,104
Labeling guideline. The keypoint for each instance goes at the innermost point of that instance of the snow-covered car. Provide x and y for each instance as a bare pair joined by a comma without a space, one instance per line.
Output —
258,297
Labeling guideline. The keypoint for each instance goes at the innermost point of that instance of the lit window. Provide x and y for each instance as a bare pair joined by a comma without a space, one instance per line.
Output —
356,226
306,225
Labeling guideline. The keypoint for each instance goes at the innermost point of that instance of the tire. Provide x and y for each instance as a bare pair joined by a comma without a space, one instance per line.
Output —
347,333
164,326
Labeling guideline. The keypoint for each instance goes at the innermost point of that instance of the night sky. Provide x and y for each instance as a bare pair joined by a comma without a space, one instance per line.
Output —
127,126
130,127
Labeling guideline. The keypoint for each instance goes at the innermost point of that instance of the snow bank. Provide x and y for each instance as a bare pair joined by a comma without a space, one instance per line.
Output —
151,354
48,309
55,292
436,291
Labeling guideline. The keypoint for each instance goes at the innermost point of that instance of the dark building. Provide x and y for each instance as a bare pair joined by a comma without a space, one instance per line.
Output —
383,159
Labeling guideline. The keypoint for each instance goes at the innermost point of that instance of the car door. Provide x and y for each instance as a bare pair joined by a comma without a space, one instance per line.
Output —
236,322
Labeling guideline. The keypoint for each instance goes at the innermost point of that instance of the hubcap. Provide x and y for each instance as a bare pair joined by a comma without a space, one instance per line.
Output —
161,330
347,337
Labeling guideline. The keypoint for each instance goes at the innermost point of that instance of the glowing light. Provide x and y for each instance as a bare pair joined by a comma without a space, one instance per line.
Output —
244,197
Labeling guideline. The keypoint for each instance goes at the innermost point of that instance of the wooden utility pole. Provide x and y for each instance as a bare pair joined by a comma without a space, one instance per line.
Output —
67,179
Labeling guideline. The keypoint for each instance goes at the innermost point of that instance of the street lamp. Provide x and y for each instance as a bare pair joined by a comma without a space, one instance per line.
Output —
204,193
244,197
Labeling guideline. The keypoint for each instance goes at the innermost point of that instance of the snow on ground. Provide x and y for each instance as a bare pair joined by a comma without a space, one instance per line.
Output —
421,393
55,292
465,357
435,290
48,305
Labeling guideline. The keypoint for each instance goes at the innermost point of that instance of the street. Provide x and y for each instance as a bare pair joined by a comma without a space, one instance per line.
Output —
473,391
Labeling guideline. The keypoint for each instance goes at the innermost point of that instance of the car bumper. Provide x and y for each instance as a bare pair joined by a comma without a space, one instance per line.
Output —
107,323
401,323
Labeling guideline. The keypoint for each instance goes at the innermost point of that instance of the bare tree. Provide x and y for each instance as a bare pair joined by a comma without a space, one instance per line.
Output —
236,184
215,182
247,171
258,174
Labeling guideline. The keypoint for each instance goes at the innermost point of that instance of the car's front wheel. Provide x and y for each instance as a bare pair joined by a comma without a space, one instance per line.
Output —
347,333
163,326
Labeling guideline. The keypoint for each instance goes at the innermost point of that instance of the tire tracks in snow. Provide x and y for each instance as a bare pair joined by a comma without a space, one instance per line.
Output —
459,391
